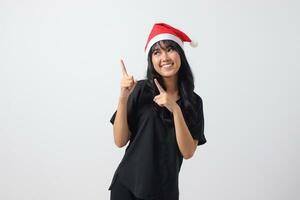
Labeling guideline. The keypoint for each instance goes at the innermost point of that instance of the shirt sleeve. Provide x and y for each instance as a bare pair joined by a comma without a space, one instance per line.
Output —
197,130
132,106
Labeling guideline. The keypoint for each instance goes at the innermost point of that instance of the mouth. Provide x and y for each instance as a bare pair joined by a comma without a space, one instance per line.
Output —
167,66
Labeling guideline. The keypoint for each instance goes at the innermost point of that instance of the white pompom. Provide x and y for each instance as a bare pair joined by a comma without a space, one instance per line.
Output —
194,43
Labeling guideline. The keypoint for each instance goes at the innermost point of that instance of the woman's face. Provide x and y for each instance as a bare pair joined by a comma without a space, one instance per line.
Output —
166,60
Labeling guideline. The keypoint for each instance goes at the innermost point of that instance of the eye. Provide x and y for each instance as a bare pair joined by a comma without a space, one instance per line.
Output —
170,49
155,52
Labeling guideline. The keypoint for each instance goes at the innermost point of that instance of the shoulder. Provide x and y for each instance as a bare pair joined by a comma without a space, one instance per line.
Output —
197,99
196,114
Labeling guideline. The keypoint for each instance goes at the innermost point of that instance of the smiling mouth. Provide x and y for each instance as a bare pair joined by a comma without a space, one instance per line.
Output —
167,66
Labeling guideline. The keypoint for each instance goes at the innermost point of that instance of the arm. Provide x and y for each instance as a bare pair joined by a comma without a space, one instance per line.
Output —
186,143
120,128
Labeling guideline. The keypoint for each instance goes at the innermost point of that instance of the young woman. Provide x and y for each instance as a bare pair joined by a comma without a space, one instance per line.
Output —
161,117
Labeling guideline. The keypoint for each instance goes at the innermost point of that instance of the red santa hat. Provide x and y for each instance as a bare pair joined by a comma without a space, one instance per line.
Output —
162,31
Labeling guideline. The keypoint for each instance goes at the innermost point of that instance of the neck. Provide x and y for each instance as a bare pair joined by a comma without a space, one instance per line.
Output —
171,84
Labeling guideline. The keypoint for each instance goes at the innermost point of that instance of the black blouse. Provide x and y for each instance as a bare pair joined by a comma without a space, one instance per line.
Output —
152,159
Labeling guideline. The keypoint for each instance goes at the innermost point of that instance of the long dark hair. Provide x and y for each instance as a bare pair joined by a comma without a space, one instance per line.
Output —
185,80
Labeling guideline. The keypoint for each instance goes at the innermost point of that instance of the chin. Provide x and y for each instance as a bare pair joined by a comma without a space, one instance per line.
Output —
168,75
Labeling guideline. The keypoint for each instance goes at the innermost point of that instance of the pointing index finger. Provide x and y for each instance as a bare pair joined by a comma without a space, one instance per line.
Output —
124,71
160,88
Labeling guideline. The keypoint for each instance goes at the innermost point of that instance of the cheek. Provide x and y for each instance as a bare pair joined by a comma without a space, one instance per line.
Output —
155,67
179,62
155,62
177,59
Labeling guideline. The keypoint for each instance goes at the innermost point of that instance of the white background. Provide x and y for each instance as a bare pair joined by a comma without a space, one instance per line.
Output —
59,86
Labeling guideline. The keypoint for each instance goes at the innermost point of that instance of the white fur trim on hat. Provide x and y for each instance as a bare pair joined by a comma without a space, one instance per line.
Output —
163,36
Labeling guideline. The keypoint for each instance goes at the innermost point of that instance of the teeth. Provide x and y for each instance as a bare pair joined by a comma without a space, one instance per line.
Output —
167,66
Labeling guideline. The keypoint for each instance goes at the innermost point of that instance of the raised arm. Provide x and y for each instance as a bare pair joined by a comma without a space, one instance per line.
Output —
120,127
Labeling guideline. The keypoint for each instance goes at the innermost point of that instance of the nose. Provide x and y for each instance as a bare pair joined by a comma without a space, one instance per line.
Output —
164,56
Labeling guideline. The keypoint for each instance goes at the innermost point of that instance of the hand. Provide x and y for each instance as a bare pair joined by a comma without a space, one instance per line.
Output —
164,99
127,82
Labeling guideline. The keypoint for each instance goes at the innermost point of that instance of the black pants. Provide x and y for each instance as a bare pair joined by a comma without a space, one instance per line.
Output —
119,192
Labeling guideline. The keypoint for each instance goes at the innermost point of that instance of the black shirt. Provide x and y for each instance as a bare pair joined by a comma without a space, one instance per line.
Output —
152,159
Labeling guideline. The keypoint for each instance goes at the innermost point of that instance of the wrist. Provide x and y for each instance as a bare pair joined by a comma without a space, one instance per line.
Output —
175,108
123,98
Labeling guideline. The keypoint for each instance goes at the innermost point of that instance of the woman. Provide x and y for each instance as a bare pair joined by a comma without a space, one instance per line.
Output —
161,117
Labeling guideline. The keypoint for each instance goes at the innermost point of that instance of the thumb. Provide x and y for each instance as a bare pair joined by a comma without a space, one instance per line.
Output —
134,83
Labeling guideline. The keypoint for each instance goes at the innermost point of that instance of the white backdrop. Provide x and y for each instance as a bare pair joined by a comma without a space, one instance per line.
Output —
59,86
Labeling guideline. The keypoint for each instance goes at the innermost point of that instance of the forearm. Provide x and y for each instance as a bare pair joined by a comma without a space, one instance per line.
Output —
184,138
120,128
